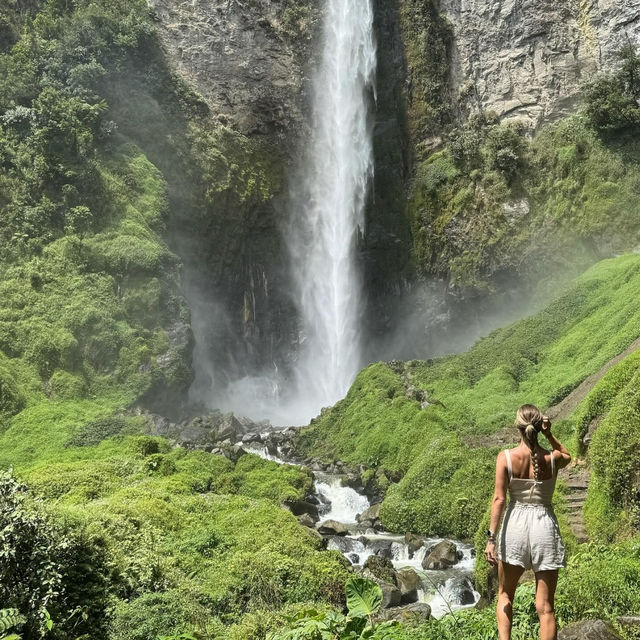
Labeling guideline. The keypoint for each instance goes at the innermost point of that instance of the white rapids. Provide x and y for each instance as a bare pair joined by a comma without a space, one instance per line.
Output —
444,590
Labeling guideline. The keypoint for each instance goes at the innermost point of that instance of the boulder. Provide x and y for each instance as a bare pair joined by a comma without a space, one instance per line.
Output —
306,520
413,543
463,590
416,612
381,568
442,556
333,528
409,582
229,427
302,507
589,630
371,514
159,426
233,452
251,437
391,595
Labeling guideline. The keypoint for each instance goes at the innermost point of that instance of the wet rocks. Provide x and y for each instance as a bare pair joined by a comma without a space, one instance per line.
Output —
302,507
306,520
442,556
371,517
204,432
378,546
408,582
416,612
391,596
589,630
413,543
333,528
381,568
463,589
233,452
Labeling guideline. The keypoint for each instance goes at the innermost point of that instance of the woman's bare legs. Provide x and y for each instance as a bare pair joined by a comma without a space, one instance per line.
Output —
546,582
508,576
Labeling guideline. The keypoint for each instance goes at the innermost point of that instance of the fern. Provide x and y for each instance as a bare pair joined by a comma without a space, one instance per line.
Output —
10,618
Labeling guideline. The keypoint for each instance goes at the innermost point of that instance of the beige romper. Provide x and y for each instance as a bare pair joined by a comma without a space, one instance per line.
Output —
530,536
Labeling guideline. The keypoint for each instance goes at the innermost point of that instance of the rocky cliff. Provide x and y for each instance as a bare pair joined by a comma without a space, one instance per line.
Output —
252,63
247,59
438,62
526,59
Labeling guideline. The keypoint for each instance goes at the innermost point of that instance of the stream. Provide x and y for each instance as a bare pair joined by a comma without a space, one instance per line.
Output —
443,590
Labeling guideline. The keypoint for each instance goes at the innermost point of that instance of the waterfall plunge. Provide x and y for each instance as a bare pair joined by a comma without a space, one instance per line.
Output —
329,209
327,214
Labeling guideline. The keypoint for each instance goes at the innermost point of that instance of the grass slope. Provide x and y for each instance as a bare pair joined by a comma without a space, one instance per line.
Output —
445,481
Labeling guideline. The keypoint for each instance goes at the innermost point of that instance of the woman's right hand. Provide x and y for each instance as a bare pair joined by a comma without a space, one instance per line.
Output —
490,553
546,426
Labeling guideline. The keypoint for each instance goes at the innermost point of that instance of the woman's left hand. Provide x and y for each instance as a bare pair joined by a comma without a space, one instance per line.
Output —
490,553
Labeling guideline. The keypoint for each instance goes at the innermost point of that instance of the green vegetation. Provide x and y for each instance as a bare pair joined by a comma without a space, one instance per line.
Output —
612,98
496,199
106,532
613,504
364,598
437,462
438,451
427,38
184,541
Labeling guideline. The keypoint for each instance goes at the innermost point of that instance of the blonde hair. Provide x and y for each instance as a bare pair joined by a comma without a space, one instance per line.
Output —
529,422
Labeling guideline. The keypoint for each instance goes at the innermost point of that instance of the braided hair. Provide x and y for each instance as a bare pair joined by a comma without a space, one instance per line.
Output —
529,423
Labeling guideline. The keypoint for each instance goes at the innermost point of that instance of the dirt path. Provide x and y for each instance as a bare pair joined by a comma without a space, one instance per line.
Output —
576,476
567,406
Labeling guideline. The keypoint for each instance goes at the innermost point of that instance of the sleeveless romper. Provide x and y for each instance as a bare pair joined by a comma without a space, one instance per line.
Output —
530,535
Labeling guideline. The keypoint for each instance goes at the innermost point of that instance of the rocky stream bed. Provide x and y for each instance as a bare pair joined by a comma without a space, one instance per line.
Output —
419,576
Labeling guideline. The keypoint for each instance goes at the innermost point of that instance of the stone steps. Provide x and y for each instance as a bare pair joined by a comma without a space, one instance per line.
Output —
576,479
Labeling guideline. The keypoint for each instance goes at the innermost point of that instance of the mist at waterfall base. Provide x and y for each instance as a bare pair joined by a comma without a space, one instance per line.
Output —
327,203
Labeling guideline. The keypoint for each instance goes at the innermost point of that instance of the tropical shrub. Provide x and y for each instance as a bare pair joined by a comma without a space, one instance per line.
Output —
49,576
364,598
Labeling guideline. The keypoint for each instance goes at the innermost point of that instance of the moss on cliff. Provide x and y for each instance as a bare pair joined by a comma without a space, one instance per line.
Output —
427,39
493,200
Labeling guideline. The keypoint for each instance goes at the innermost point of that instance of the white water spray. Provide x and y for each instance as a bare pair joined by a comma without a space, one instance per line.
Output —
330,208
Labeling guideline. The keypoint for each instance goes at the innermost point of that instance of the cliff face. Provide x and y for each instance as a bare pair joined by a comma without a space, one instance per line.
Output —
247,59
526,58
252,62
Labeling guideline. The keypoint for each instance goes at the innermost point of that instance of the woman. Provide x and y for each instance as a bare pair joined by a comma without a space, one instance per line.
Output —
529,537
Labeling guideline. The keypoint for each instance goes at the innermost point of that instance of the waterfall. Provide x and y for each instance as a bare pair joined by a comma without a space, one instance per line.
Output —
329,205
346,503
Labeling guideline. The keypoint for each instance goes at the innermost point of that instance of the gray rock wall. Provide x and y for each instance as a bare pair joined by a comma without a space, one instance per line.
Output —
526,58
247,58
